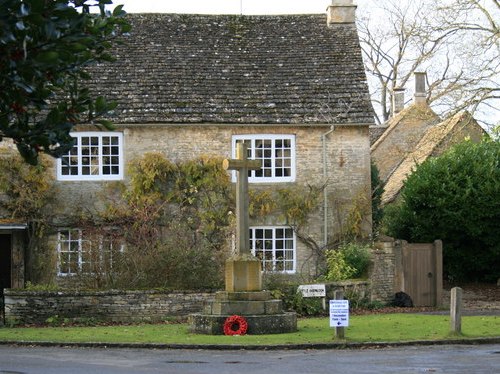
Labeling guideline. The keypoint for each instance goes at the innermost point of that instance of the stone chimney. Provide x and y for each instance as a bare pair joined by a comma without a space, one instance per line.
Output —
420,91
398,100
340,11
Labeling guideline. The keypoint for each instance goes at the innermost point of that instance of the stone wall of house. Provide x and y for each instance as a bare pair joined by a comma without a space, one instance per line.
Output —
117,306
347,177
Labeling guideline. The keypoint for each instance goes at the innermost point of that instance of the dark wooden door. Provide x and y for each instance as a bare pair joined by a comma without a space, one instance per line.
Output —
5,261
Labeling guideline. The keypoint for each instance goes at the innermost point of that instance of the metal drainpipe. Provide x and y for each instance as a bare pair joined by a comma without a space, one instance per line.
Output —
325,192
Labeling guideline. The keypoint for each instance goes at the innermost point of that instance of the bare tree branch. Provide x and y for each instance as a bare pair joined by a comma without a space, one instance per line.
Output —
457,44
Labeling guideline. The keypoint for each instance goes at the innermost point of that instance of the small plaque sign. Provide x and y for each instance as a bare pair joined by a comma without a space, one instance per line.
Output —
339,313
312,290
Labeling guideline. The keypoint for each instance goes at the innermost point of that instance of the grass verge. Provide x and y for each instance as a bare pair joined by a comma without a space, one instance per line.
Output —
369,328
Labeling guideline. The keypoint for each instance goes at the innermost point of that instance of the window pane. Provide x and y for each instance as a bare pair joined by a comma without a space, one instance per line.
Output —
80,253
89,156
275,247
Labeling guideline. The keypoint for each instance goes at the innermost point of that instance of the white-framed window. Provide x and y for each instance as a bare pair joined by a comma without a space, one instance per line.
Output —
95,156
275,246
77,254
277,153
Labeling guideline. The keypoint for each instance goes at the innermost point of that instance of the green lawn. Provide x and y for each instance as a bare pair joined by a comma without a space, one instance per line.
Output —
369,328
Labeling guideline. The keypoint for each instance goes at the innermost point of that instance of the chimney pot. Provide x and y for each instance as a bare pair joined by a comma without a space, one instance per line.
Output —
420,90
341,11
398,100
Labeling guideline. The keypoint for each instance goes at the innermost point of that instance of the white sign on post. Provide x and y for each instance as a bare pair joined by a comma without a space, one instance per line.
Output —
339,313
312,290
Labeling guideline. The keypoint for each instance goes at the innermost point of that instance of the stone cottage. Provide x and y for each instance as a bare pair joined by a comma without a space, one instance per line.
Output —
293,87
414,134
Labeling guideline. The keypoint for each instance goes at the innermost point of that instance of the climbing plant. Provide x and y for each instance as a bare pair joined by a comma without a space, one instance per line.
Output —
295,206
175,220
26,193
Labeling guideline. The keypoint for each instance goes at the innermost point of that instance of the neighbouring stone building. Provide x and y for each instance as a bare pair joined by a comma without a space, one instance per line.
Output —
414,134
292,86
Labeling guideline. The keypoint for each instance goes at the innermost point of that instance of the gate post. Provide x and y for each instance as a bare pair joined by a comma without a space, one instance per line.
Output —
438,263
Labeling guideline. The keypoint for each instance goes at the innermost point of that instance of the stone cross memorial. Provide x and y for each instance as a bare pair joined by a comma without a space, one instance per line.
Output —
243,296
243,271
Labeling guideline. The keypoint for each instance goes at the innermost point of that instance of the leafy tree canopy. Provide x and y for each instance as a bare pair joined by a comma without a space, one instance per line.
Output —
456,198
45,46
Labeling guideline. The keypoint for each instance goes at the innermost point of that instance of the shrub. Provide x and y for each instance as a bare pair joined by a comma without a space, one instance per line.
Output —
456,198
26,193
174,221
338,268
350,260
358,256
377,191
294,301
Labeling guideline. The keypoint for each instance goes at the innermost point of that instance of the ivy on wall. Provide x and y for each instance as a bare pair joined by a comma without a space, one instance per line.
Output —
26,194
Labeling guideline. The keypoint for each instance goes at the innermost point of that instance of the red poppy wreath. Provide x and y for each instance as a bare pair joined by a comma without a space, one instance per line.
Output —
235,325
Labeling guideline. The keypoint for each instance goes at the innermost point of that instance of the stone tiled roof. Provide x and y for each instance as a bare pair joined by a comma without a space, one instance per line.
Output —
286,69
376,132
434,141
403,131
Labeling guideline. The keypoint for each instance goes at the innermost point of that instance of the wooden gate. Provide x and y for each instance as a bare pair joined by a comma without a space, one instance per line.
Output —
422,268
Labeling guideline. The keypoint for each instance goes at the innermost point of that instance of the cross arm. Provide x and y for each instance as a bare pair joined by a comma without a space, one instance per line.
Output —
241,164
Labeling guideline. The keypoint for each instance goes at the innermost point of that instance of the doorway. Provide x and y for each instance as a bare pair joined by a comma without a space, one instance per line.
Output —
5,261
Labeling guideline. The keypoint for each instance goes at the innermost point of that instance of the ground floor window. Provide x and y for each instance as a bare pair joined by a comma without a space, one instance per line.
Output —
78,253
275,246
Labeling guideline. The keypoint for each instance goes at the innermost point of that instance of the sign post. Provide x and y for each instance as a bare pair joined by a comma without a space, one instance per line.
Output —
314,290
339,314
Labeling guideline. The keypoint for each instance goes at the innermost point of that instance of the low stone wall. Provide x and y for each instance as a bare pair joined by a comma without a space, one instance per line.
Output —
25,307
117,306
358,289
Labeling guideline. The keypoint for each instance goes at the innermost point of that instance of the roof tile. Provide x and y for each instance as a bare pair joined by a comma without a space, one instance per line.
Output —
176,68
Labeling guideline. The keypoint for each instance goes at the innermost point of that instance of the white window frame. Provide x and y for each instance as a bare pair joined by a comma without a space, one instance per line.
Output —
83,247
273,245
272,168
98,157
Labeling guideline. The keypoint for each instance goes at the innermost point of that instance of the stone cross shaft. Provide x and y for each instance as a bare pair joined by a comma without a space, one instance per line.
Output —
242,165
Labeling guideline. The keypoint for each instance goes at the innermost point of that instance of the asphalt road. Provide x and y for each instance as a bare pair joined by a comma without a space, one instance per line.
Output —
428,359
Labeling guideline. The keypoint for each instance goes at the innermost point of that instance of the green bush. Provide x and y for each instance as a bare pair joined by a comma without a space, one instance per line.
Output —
456,198
377,191
338,268
358,256
294,301
350,260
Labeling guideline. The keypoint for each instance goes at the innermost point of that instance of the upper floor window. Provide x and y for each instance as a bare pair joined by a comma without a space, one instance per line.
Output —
95,156
277,153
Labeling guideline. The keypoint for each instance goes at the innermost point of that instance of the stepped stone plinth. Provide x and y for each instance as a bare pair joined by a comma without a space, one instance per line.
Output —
264,314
